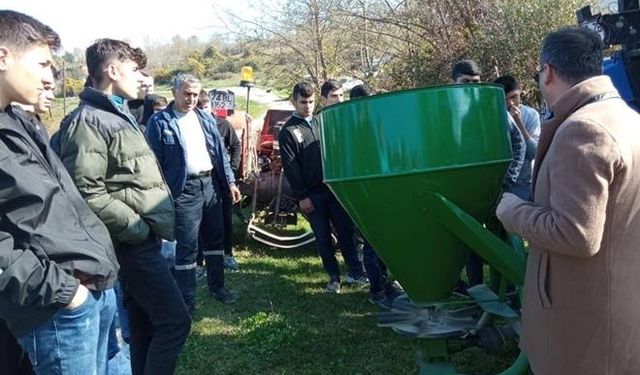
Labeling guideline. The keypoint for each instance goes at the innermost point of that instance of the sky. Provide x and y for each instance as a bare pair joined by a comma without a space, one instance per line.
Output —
80,22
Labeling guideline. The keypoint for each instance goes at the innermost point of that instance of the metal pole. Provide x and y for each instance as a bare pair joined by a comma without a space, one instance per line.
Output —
248,92
278,196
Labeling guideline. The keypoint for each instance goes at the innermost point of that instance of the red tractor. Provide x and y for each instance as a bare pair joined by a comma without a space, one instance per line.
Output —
261,176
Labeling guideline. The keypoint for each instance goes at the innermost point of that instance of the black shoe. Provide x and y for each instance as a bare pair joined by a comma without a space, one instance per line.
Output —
380,299
393,290
224,296
361,280
333,287
461,288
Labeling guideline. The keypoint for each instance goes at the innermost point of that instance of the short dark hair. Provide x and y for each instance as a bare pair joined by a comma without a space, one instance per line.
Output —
160,100
104,51
328,86
360,91
508,83
203,99
575,53
303,89
20,31
465,67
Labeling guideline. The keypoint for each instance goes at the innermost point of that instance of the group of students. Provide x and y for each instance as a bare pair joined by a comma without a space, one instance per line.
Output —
299,142
300,149
524,133
93,206
571,192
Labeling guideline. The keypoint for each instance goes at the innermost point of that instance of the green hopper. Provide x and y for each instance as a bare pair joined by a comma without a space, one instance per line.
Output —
419,172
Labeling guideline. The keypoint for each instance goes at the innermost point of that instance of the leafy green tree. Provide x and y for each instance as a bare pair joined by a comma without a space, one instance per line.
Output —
425,38
162,75
195,64
72,87
510,43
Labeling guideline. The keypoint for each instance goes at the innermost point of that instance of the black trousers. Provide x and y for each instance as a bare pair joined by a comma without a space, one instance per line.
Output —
475,272
227,223
158,317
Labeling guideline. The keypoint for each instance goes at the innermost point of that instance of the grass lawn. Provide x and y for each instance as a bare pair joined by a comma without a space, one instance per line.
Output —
283,323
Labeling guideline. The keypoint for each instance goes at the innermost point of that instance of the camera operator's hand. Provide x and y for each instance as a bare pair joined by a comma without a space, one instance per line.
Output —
306,205
78,299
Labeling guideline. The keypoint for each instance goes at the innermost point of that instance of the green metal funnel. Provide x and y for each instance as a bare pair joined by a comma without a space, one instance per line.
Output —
384,156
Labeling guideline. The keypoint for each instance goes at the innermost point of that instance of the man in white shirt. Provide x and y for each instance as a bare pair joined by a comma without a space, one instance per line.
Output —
196,167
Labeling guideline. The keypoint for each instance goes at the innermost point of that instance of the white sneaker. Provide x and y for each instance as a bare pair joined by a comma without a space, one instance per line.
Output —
333,287
360,280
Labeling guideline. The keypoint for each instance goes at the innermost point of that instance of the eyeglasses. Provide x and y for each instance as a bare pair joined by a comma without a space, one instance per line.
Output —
536,76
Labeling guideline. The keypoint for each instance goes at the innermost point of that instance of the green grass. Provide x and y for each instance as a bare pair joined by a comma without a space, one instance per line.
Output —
283,323
256,109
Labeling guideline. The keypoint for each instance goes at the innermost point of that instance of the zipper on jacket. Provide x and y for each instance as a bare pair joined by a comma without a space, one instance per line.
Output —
130,121
165,186
135,125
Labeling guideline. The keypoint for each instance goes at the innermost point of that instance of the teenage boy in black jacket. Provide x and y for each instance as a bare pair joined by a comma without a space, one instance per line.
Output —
57,263
300,150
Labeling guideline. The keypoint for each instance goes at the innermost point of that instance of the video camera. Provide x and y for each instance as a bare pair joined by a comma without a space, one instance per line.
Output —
621,28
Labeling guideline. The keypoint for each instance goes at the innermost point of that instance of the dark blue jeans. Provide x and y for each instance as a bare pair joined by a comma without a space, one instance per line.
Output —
158,319
73,341
328,211
522,190
113,346
122,315
376,269
198,223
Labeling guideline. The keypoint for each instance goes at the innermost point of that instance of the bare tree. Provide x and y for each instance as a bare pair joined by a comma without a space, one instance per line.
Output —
302,39
400,43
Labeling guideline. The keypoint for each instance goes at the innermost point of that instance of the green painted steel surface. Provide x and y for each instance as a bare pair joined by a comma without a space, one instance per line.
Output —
384,156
